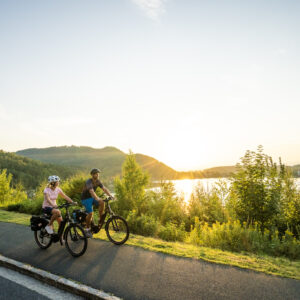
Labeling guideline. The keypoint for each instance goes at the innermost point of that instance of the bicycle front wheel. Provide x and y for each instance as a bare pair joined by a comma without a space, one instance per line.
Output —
117,230
75,240
43,238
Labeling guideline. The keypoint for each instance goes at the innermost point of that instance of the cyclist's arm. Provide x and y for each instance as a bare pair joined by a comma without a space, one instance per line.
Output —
66,197
106,191
94,195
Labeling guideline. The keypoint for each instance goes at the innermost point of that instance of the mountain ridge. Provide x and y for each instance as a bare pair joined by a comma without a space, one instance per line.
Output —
110,160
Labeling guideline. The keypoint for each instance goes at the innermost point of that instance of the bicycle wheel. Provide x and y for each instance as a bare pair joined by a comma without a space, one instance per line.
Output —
76,240
117,230
43,238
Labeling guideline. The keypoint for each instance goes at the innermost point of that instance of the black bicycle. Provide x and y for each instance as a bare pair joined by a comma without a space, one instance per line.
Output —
70,232
116,227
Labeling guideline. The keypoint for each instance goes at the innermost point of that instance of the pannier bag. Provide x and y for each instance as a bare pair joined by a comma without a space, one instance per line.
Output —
37,222
79,215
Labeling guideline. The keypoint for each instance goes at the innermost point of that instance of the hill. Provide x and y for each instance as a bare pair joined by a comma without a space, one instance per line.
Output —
108,159
30,173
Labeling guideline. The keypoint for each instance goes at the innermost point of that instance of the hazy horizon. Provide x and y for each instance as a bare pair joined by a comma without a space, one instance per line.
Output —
193,84
127,152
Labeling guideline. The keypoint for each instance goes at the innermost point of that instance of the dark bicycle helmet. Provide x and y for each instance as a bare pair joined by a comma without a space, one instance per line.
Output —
93,171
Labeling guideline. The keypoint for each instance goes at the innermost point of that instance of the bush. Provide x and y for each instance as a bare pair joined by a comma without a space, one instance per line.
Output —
232,236
172,232
143,224
8,195
206,205
165,204
74,186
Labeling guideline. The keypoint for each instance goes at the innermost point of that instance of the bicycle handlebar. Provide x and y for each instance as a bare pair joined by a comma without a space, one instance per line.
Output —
108,199
67,204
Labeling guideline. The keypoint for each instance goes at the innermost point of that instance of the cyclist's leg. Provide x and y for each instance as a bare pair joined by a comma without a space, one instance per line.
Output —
88,204
88,220
56,215
100,205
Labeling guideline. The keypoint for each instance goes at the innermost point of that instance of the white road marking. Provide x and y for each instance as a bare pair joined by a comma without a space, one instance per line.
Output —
35,285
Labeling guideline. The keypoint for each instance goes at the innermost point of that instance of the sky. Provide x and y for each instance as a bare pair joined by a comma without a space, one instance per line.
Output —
191,83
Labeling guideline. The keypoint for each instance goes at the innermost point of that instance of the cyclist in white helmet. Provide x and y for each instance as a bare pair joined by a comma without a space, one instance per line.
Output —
51,193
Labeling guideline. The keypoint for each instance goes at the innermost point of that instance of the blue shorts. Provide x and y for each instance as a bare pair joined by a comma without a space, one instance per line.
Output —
88,204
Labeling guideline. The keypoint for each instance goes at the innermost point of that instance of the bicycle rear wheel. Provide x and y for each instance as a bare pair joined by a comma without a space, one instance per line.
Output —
76,240
43,238
117,230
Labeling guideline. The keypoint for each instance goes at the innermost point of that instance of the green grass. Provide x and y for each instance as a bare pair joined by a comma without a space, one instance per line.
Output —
279,266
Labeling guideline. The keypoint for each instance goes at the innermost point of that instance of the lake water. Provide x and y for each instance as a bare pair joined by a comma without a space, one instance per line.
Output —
185,187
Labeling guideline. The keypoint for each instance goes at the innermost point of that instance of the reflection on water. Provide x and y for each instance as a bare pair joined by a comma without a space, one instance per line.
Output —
185,187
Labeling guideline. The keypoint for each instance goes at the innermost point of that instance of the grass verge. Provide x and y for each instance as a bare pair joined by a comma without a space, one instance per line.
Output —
279,266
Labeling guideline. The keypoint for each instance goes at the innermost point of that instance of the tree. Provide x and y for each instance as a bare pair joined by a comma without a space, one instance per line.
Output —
256,189
5,190
9,195
289,213
130,189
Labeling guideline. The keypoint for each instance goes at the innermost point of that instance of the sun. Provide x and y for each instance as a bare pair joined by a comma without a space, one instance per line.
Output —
185,150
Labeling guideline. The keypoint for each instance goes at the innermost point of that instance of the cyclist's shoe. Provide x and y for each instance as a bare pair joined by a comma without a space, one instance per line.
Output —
94,228
49,229
88,233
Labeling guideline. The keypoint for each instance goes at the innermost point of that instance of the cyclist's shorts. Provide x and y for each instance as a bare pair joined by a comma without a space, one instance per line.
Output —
88,204
47,210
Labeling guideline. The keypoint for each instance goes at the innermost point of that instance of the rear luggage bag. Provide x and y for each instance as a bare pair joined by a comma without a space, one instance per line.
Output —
37,223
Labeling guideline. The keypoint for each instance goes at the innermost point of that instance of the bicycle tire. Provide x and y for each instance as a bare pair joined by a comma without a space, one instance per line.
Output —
117,230
75,234
39,236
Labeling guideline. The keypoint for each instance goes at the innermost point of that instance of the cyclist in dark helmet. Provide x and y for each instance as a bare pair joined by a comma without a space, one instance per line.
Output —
89,197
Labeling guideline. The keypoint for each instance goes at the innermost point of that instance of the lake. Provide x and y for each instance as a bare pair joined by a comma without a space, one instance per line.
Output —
185,186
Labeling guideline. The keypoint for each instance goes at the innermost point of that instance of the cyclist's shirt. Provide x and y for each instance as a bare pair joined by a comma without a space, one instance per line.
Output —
52,194
90,185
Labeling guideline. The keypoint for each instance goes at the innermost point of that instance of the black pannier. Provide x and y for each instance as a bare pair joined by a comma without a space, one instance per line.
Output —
37,222
79,215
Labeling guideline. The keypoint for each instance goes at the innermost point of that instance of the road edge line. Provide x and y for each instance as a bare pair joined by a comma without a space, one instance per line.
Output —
59,282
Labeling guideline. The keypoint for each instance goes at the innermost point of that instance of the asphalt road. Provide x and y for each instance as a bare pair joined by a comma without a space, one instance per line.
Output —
134,273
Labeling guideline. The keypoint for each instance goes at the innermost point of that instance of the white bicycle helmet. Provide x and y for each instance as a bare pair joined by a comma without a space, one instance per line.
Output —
53,178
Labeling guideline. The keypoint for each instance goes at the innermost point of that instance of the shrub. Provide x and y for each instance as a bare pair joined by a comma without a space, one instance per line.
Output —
165,204
8,195
172,232
232,236
143,224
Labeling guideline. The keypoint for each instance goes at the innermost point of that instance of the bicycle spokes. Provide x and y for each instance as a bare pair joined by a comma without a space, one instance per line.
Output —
76,241
117,230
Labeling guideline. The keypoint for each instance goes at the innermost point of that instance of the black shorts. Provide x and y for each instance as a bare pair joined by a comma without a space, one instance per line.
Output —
47,210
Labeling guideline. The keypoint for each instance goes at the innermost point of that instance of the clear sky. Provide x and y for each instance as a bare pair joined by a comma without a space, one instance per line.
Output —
192,83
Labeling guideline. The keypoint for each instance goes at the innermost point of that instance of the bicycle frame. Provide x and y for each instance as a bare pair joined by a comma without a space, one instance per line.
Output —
107,211
61,230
